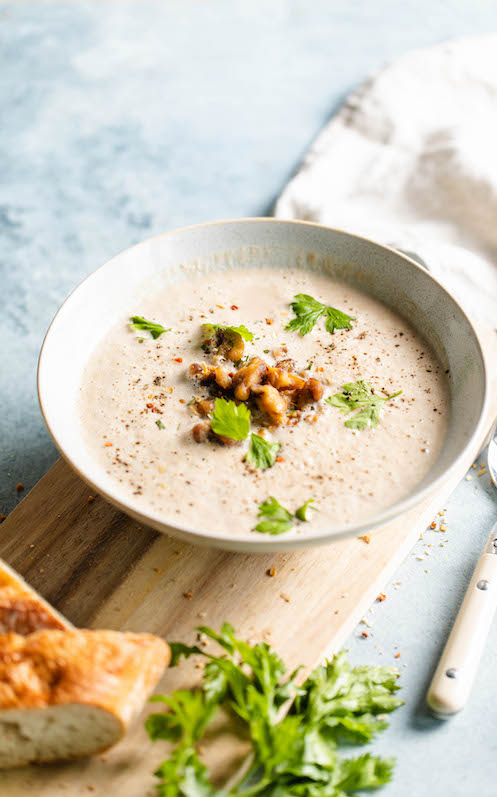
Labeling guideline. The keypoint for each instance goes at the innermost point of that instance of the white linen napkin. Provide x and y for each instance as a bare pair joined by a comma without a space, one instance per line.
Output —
410,160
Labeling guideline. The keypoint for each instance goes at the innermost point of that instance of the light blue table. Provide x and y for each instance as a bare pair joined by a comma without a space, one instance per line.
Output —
120,120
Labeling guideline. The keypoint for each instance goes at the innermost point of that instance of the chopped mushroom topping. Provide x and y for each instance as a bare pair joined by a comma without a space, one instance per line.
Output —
200,432
277,393
248,377
287,365
210,373
270,401
283,380
311,391
203,407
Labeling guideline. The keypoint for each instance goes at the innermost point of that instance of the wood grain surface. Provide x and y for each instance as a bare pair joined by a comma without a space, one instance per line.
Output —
100,569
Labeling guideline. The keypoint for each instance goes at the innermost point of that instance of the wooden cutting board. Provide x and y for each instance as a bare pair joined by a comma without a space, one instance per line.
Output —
100,569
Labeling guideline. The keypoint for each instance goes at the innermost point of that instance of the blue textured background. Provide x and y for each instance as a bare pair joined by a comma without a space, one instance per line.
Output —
119,120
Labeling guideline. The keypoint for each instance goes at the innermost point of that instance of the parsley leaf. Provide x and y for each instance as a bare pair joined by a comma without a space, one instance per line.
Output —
156,330
360,395
277,518
209,330
296,755
230,419
262,454
159,424
302,512
308,311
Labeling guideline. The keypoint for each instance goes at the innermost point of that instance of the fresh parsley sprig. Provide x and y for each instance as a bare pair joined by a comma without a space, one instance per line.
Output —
360,395
156,330
277,519
308,311
230,419
296,755
209,329
262,454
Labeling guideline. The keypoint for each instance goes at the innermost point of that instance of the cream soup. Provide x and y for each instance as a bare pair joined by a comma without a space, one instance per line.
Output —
137,415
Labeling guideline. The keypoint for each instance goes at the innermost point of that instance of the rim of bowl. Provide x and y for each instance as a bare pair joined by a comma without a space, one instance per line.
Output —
247,542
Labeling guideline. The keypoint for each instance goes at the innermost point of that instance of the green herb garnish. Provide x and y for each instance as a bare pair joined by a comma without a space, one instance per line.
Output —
160,424
360,395
302,512
230,419
308,311
296,755
262,454
277,519
209,330
156,330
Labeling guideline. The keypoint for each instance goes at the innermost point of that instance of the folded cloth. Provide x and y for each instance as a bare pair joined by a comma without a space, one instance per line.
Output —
411,161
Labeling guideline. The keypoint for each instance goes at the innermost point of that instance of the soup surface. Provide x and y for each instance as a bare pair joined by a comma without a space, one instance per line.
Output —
137,413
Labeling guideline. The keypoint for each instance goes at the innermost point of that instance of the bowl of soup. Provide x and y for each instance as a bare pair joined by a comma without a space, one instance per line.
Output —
262,385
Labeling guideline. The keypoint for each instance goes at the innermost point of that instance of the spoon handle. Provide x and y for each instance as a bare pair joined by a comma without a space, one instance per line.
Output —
454,676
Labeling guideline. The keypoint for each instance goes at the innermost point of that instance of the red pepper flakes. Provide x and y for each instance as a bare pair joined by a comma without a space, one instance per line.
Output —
19,487
108,445
182,401
234,307
365,634
188,595
271,572
280,459
381,597
268,321
366,538
433,525
91,499
178,359
397,655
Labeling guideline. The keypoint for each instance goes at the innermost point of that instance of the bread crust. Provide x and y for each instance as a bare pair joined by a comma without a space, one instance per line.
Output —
22,610
112,669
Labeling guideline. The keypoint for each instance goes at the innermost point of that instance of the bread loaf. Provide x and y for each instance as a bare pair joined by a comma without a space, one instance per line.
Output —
69,694
22,610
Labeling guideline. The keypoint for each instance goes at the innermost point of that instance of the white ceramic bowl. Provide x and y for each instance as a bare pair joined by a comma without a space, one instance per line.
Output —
111,292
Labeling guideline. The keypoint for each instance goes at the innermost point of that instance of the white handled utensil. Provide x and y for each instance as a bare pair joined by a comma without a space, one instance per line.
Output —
453,679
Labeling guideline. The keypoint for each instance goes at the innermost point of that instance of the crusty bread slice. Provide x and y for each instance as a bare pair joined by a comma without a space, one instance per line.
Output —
69,694
22,610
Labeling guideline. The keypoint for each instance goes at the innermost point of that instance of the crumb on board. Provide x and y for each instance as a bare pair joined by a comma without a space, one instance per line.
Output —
271,571
188,595
365,538
157,569
2,517
284,597
91,499
381,597
433,524
19,487
482,471
443,527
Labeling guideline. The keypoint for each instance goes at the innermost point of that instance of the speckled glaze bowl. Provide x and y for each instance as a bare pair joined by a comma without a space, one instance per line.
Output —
109,293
